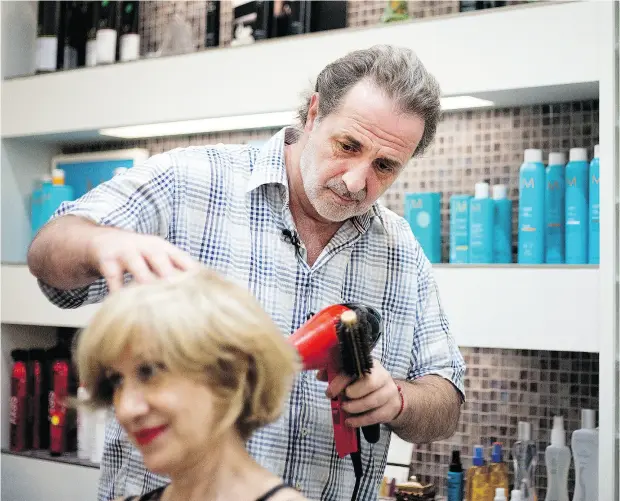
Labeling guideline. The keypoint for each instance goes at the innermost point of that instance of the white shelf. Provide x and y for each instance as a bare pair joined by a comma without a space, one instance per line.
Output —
538,308
487,54
524,307
23,302
26,478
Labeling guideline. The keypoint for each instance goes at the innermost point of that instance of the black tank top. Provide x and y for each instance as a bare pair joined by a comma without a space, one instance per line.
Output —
156,494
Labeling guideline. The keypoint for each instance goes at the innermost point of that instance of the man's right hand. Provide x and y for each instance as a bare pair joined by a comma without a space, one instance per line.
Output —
114,252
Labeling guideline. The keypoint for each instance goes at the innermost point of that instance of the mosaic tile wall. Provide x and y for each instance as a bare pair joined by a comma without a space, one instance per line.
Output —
507,386
470,146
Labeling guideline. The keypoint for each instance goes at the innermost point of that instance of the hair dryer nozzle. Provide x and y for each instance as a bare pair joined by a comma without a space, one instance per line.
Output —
316,339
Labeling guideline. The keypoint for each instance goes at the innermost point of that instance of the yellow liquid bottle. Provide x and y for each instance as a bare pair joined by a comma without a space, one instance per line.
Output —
478,478
498,471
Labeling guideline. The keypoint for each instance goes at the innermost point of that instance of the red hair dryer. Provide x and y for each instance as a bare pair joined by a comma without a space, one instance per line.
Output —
339,339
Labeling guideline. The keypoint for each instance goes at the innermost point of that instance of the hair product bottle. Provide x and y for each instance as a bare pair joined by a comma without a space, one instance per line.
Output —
557,460
531,249
459,228
455,478
502,225
481,226
554,208
577,188
584,443
594,224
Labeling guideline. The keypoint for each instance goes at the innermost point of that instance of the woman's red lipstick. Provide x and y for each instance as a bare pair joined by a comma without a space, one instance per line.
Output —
147,435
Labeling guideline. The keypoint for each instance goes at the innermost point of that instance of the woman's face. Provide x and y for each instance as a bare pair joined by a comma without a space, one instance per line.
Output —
168,416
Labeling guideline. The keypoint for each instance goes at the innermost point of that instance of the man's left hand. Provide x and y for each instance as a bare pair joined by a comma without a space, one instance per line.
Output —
374,397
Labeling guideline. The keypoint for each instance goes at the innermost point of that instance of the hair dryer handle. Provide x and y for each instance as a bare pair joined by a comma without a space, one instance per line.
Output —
345,437
372,433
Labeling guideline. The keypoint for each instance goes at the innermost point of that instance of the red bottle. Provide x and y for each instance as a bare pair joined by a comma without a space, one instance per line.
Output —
58,408
19,401
39,399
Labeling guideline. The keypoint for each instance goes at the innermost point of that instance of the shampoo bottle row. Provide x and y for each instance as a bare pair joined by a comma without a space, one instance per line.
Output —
490,481
559,208
481,226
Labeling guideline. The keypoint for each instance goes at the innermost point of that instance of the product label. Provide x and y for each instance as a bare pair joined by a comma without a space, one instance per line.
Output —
455,486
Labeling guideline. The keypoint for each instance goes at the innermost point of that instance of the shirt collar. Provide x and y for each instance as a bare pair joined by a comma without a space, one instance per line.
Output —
269,168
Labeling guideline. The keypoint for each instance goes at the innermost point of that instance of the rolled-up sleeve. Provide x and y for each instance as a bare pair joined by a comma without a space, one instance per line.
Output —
434,348
140,200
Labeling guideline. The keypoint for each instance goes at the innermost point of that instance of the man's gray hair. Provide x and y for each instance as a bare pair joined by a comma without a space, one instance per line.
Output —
397,71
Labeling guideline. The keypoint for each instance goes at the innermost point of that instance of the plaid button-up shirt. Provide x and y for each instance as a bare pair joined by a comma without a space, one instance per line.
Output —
227,206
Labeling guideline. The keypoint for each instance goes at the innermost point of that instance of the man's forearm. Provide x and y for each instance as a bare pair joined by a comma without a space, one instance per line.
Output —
431,412
59,253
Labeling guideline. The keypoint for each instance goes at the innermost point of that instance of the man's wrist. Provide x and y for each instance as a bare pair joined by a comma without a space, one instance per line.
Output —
401,403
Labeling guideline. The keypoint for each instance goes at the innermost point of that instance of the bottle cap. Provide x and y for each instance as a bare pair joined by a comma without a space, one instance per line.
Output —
578,155
597,151
532,156
515,495
500,494
524,431
482,190
557,158
46,179
496,453
455,464
557,432
588,419
58,177
478,458
500,191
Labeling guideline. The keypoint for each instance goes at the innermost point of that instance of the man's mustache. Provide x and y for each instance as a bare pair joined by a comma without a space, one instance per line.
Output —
341,189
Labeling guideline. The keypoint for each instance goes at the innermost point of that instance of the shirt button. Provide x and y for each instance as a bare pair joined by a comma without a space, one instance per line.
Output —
298,486
304,432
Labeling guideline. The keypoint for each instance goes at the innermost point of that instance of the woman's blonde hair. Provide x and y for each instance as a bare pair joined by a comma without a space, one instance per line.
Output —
200,324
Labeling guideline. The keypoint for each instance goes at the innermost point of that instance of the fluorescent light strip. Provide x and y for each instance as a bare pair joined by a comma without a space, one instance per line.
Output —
218,124
463,102
249,122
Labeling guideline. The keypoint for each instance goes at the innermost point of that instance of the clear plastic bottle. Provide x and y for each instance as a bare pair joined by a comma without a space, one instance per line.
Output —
524,458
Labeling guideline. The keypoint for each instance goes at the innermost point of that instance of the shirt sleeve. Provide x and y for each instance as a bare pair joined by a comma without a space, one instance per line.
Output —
434,348
141,200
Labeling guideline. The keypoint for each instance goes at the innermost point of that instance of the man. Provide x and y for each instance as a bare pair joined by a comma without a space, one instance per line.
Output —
298,222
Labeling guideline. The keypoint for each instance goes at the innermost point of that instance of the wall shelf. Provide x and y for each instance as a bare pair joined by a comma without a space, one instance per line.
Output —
488,306
68,458
495,58
27,478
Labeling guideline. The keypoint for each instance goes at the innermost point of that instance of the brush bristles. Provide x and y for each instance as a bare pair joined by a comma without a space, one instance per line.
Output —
354,344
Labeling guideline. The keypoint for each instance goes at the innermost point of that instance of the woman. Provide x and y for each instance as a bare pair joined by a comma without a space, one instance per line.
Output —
192,366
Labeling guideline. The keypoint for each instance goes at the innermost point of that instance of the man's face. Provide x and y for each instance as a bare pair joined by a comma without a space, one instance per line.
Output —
355,153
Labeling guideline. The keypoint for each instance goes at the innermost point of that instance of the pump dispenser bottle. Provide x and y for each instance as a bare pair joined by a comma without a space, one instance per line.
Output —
557,460
524,457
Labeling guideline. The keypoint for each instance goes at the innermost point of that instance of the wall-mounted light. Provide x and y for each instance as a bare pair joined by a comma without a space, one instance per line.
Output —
249,122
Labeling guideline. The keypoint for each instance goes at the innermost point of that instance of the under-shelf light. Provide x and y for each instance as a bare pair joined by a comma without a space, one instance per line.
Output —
217,124
463,102
249,122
